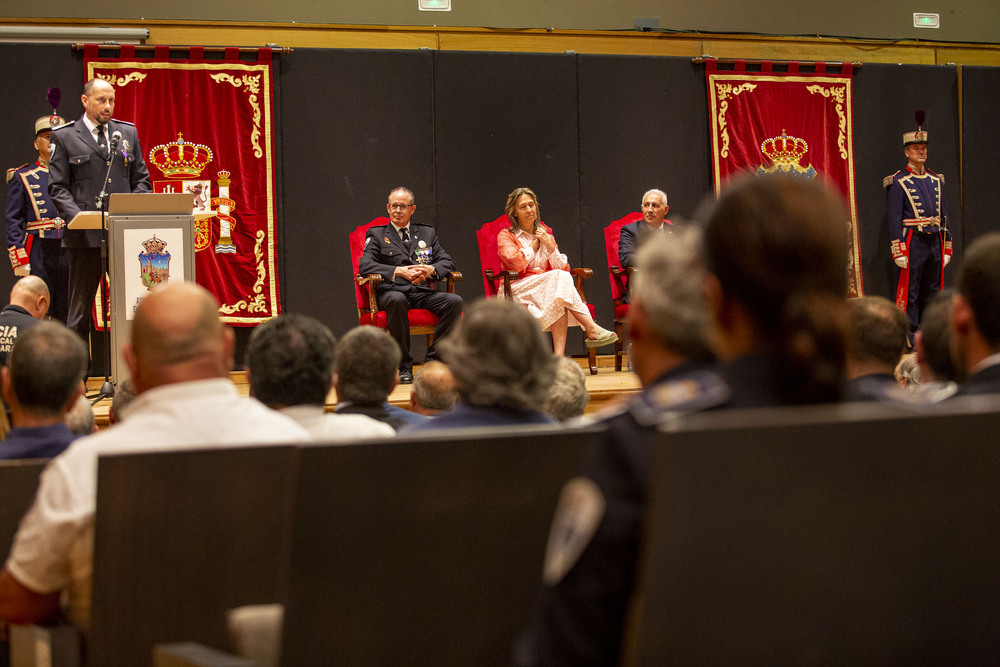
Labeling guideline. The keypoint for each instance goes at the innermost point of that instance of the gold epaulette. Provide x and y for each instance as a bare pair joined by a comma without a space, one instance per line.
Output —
887,181
13,170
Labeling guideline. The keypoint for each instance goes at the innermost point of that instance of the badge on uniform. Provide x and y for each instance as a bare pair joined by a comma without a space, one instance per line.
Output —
125,149
580,510
386,239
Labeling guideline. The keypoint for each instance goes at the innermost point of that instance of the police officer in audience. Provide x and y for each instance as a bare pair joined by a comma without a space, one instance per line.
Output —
29,303
775,280
975,318
34,228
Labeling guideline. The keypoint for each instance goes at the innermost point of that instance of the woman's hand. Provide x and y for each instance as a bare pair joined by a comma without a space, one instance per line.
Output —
545,239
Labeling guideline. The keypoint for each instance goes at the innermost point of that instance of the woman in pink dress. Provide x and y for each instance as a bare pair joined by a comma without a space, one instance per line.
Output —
544,284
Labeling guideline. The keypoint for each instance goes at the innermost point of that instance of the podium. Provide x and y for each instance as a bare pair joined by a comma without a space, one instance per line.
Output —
150,241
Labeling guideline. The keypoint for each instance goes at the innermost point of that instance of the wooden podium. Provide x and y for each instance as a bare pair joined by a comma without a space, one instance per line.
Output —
150,241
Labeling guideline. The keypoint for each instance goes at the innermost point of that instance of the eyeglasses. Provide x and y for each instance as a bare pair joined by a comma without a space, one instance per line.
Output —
399,207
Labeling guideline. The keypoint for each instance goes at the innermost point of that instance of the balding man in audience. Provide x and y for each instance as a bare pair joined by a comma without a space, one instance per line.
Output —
975,318
179,358
434,390
29,303
876,340
289,364
42,383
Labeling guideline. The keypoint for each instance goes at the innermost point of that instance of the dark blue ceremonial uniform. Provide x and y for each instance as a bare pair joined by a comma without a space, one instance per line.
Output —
384,251
918,220
32,218
582,610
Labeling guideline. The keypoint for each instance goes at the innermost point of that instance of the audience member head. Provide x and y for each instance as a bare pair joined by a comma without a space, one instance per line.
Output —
32,294
975,311
877,336
654,207
434,390
931,342
289,361
124,395
567,397
364,366
44,373
499,356
907,373
667,319
511,206
177,337
80,418
776,249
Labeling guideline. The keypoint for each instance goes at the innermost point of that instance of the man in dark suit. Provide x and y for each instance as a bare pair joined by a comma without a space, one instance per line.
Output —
654,209
409,259
80,156
975,318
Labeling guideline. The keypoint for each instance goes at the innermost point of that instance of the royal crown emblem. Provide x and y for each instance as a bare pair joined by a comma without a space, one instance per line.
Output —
181,159
784,152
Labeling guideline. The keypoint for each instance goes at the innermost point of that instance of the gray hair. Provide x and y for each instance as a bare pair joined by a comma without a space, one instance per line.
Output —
670,288
365,363
909,370
568,397
80,418
499,356
655,191
124,395
434,387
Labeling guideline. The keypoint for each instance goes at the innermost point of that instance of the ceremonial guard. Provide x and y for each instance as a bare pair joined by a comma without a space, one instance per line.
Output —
34,228
918,227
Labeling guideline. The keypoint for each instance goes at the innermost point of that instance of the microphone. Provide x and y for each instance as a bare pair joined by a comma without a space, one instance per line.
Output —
115,140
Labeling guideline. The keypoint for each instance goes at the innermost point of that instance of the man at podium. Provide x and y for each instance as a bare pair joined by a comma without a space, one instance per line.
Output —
81,154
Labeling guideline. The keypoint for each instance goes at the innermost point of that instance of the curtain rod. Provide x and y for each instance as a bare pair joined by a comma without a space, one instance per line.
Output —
79,46
699,60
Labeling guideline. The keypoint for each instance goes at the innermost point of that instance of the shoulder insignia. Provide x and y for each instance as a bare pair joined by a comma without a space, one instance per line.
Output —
578,514
887,181
940,177
63,126
11,172
123,122
367,239
697,391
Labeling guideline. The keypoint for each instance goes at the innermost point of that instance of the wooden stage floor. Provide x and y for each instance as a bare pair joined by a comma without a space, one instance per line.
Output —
605,388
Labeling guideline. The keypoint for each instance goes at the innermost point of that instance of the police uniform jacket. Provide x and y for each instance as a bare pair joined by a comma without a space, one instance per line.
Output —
77,168
384,251
14,320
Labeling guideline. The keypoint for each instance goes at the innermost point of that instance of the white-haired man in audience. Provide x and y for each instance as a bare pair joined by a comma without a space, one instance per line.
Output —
179,358
567,397
590,566
289,364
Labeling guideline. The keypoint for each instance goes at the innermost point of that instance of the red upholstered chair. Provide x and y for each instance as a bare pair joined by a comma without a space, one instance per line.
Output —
496,281
422,322
619,285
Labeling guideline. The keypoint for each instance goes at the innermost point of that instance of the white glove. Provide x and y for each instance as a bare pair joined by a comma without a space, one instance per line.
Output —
23,270
947,258
901,262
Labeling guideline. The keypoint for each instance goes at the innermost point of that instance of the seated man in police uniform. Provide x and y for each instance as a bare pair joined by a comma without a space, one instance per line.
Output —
409,259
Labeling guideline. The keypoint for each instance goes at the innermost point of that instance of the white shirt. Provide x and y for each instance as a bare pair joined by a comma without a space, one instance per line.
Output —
330,427
54,546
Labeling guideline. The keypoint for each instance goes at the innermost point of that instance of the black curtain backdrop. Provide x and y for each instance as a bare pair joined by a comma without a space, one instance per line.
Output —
588,133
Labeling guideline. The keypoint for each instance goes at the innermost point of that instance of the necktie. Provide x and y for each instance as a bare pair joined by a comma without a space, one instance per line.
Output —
405,235
99,132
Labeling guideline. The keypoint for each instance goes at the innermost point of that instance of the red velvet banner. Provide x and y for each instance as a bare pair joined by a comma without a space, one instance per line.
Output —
800,124
206,127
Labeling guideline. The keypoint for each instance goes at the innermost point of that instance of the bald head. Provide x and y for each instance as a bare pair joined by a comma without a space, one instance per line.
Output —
32,294
177,337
